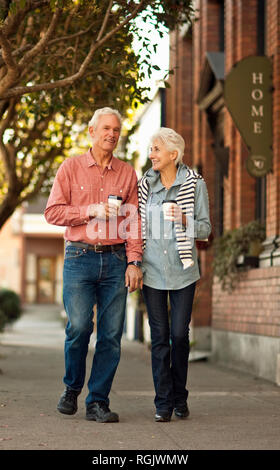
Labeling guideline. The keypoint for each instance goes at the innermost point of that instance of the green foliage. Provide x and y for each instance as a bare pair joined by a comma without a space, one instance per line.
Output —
229,247
10,304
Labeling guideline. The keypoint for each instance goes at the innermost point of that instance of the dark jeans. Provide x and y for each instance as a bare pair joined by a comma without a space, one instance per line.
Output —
91,278
170,343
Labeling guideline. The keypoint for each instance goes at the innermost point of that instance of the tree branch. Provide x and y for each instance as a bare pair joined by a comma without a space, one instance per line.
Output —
5,122
76,76
16,52
105,21
12,22
42,42
12,67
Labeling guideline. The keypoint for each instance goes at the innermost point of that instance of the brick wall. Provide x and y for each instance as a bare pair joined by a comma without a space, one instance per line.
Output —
253,307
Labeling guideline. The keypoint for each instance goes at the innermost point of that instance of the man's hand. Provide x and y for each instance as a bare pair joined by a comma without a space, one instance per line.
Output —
102,211
133,278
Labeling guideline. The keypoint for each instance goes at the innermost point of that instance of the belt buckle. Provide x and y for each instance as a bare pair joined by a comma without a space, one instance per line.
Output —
98,250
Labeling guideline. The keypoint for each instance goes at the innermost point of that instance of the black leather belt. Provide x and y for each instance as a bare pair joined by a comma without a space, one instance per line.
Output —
97,248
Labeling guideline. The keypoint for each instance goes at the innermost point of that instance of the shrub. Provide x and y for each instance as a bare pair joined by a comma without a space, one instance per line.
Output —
230,246
3,320
10,304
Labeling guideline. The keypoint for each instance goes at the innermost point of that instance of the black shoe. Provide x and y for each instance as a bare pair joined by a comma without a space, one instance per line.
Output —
99,411
68,402
182,411
163,416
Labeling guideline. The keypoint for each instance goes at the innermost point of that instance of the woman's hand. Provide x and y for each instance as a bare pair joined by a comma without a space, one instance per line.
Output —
175,214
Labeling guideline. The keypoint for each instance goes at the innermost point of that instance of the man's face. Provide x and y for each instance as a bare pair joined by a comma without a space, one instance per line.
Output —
106,135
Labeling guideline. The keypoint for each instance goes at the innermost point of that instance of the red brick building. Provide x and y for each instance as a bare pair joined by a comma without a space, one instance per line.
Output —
242,328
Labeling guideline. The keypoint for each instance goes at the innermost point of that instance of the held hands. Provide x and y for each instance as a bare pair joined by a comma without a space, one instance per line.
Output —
175,214
133,278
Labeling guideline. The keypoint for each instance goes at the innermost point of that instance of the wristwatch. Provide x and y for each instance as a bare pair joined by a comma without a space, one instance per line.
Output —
136,263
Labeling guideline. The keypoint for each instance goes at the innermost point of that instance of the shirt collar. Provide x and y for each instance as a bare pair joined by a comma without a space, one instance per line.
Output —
112,165
156,183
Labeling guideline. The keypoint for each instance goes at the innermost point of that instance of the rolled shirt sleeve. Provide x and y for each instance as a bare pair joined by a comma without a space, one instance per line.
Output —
59,210
202,225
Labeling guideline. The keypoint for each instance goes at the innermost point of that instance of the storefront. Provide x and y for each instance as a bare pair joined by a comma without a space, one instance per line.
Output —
31,261
230,61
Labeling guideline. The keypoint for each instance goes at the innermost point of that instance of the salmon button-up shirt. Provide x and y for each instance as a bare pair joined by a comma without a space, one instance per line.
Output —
79,183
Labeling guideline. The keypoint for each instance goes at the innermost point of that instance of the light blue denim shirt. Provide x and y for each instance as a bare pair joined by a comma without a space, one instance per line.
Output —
162,267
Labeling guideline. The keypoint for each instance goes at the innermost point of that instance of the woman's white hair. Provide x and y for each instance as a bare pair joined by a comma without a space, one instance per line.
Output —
172,142
101,112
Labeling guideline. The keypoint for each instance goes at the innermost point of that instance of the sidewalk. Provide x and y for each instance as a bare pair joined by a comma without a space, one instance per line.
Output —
229,409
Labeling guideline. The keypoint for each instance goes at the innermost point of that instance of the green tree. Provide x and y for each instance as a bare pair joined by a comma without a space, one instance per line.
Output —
59,61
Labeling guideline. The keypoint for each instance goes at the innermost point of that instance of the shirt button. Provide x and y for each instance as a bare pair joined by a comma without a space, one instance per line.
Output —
82,187
101,189
165,252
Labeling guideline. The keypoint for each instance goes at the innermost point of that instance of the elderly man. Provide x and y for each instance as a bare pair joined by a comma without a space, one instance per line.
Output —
100,264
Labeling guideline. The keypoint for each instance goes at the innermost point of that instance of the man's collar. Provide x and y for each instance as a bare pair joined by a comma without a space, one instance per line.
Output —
112,165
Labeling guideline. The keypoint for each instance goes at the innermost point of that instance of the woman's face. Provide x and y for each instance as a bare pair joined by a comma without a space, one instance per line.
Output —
160,157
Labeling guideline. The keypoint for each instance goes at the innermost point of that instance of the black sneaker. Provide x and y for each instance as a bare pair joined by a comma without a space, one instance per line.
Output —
162,416
99,411
182,411
68,402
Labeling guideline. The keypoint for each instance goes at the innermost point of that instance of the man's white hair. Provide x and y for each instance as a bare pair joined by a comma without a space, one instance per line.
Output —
101,112
171,140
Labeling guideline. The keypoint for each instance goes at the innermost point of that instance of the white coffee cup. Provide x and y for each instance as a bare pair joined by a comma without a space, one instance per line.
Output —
115,201
166,205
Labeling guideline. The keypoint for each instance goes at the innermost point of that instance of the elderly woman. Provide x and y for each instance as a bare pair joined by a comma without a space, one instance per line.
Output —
170,264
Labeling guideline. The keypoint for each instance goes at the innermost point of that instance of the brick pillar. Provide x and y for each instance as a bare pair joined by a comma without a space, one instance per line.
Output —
240,42
205,39
171,93
179,96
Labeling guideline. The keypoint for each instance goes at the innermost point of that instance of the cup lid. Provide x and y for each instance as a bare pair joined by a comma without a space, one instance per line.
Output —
115,197
169,200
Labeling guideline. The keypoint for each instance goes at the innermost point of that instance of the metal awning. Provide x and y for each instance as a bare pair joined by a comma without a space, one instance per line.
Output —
211,82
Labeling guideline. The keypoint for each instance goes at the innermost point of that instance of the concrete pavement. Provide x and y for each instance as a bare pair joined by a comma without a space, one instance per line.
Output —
229,410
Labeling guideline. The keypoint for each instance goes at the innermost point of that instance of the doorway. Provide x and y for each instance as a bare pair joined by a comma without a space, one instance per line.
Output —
46,279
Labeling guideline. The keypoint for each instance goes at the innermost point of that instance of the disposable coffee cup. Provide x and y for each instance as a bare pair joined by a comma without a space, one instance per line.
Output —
115,201
166,205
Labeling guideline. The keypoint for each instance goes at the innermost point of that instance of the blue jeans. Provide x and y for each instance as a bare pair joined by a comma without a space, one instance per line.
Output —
170,343
91,278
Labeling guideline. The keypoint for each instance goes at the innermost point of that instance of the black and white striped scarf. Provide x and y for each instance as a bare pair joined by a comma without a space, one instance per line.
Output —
185,199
